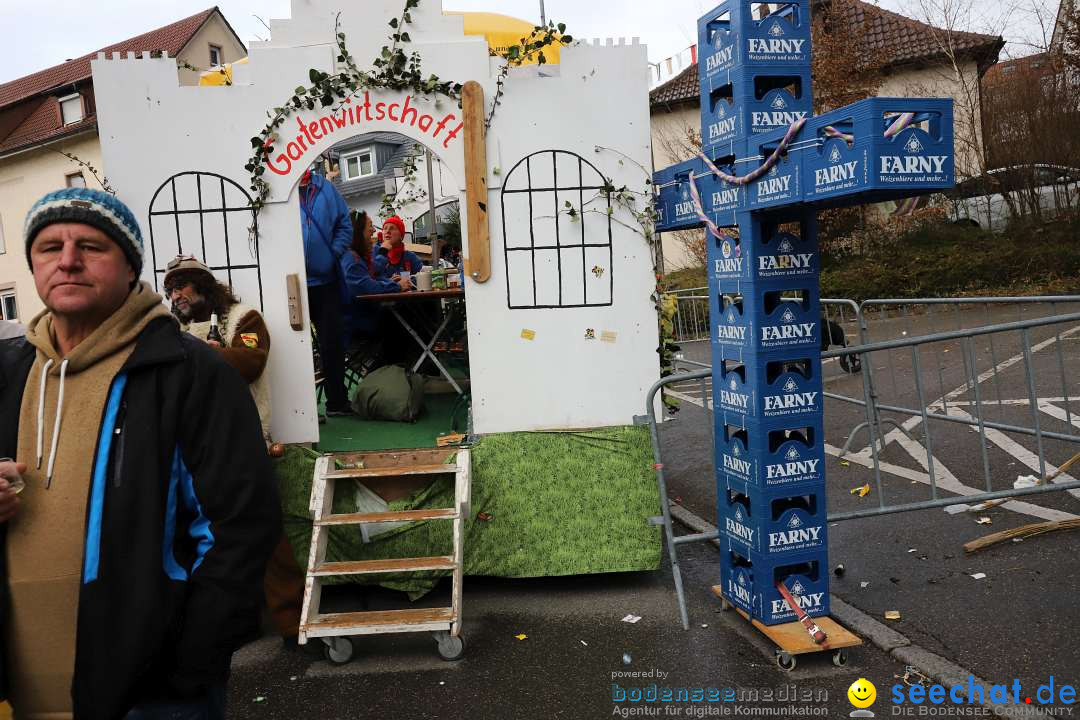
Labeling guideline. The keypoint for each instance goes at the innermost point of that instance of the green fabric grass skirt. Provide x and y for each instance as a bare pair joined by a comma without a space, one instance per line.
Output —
543,504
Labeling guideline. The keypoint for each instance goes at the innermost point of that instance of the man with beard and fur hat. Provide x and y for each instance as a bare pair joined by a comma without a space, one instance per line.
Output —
131,563
195,294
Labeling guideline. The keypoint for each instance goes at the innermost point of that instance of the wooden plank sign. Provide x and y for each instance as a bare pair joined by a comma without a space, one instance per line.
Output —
478,264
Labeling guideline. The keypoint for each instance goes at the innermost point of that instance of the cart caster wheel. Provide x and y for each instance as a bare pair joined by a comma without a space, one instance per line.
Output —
839,658
851,363
785,661
725,605
451,647
337,650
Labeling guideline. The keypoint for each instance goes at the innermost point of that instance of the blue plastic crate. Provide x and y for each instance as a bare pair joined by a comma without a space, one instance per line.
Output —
767,250
854,162
782,185
771,455
772,522
674,206
781,389
757,320
723,201
731,35
740,103
749,582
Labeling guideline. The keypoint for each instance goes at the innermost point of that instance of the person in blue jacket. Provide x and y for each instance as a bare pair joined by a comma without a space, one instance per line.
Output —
392,257
358,272
327,235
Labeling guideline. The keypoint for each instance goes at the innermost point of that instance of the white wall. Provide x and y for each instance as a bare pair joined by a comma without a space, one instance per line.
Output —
151,129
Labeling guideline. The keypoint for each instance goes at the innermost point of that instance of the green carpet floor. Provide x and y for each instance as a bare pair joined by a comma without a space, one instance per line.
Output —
341,434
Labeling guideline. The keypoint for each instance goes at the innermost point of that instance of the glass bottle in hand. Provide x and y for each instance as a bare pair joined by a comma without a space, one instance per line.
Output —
215,334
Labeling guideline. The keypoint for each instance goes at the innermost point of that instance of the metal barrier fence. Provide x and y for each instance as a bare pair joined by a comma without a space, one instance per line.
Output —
948,407
691,314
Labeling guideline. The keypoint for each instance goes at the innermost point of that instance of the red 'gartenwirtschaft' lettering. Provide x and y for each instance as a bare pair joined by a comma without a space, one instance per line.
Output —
355,114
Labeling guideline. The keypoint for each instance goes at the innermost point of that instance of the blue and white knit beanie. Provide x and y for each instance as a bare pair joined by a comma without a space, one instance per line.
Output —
93,207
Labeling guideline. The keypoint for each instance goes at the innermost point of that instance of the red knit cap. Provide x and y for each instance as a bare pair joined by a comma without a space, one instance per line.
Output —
398,222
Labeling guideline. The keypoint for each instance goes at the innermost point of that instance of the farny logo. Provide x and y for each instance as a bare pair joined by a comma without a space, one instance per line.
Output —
913,163
728,197
837,172
722,57
736,529
734,399
791,401
773,184
795,467
780,116
777,30
795,536
789,330
807,601
727,264
730,332
686,207
834,156
724,125
735,463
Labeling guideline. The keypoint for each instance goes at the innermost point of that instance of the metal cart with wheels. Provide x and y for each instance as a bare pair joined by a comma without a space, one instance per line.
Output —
336,630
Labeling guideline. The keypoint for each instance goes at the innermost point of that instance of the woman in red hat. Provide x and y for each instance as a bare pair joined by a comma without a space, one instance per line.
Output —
392,257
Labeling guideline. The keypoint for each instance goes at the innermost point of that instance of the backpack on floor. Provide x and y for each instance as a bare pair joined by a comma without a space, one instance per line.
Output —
390,393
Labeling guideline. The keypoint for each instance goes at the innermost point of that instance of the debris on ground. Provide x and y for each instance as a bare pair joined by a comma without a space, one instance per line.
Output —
892,614
956,509
862,491
259,699
522,636
631,618
1019,533
1025,481
984,521
839,570
864,584
978,576
626,659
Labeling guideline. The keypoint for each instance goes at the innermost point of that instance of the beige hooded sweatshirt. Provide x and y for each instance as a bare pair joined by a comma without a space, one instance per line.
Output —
59,425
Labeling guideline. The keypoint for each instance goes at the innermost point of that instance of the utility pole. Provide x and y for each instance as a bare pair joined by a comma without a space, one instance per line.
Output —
543,15
433,228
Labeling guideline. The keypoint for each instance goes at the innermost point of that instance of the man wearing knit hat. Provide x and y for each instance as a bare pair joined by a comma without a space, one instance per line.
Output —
132,558
392,257
195,295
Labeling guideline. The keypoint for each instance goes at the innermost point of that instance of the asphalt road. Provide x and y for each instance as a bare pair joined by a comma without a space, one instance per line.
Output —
1017,622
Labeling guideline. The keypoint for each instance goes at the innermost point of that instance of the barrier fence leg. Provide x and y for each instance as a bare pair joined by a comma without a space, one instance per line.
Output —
1033,401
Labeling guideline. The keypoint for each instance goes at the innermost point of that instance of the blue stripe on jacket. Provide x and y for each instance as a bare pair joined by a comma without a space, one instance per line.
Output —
199,529
172,568
92,554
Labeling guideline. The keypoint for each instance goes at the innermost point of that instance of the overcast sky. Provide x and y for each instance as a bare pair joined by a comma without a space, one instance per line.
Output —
42,33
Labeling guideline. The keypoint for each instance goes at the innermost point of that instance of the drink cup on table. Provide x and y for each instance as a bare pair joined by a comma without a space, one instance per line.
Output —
406,275
14,480
423,281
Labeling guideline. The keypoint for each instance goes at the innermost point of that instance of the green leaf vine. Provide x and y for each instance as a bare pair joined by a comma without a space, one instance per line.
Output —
530,47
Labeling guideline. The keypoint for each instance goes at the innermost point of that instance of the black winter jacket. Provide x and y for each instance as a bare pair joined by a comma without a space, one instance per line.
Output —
181,522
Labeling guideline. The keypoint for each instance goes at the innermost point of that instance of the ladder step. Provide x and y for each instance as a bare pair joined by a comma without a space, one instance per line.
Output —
382,517
397,471
375,618
364,567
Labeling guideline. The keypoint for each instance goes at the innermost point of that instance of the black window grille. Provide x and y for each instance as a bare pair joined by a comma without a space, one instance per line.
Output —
553,211
209,216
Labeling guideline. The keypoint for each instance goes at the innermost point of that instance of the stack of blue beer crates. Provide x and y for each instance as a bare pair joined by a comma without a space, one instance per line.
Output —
765,311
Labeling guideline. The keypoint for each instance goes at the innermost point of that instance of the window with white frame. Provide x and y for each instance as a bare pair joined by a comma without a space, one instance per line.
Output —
75,179
8,307
359,164
71,109
215,55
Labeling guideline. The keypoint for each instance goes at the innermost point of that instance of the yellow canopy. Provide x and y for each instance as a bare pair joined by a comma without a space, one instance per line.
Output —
501,32
220,75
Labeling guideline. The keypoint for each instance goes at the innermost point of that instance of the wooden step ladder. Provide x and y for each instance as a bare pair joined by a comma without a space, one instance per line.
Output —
335,628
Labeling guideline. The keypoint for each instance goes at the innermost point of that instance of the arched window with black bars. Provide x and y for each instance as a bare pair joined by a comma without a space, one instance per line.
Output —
210,217
556,233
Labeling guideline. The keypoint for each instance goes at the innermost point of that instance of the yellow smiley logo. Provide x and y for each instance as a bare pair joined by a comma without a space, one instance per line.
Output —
862,693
